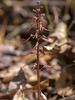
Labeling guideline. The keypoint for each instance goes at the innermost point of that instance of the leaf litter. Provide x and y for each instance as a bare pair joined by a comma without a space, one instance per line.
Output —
18,78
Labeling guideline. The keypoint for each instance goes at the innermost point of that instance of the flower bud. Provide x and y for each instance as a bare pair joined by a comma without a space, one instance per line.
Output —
35,18
38,9
38,2
42,14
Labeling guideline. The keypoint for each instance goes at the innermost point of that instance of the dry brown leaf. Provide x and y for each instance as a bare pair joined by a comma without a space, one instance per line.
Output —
58,40
18,95
3,30
18,80
29,74
64,80
5,61
8,74
60,33
67,91
43,85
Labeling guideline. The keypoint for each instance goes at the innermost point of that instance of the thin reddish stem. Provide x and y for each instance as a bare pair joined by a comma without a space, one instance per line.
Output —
38,73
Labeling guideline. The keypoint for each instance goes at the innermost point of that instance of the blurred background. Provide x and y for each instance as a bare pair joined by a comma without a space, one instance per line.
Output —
18,55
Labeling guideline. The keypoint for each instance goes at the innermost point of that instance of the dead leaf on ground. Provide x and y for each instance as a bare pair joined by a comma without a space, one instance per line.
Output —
64,80
8,74
43,85
67,91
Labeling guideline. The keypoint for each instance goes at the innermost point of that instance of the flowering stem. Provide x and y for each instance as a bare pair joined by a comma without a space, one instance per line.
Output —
38,73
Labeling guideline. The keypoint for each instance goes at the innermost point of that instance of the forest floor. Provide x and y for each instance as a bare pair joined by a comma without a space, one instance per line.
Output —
18,70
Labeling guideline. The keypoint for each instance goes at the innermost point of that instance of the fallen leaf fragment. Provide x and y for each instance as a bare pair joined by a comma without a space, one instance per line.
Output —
67,91
43,85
